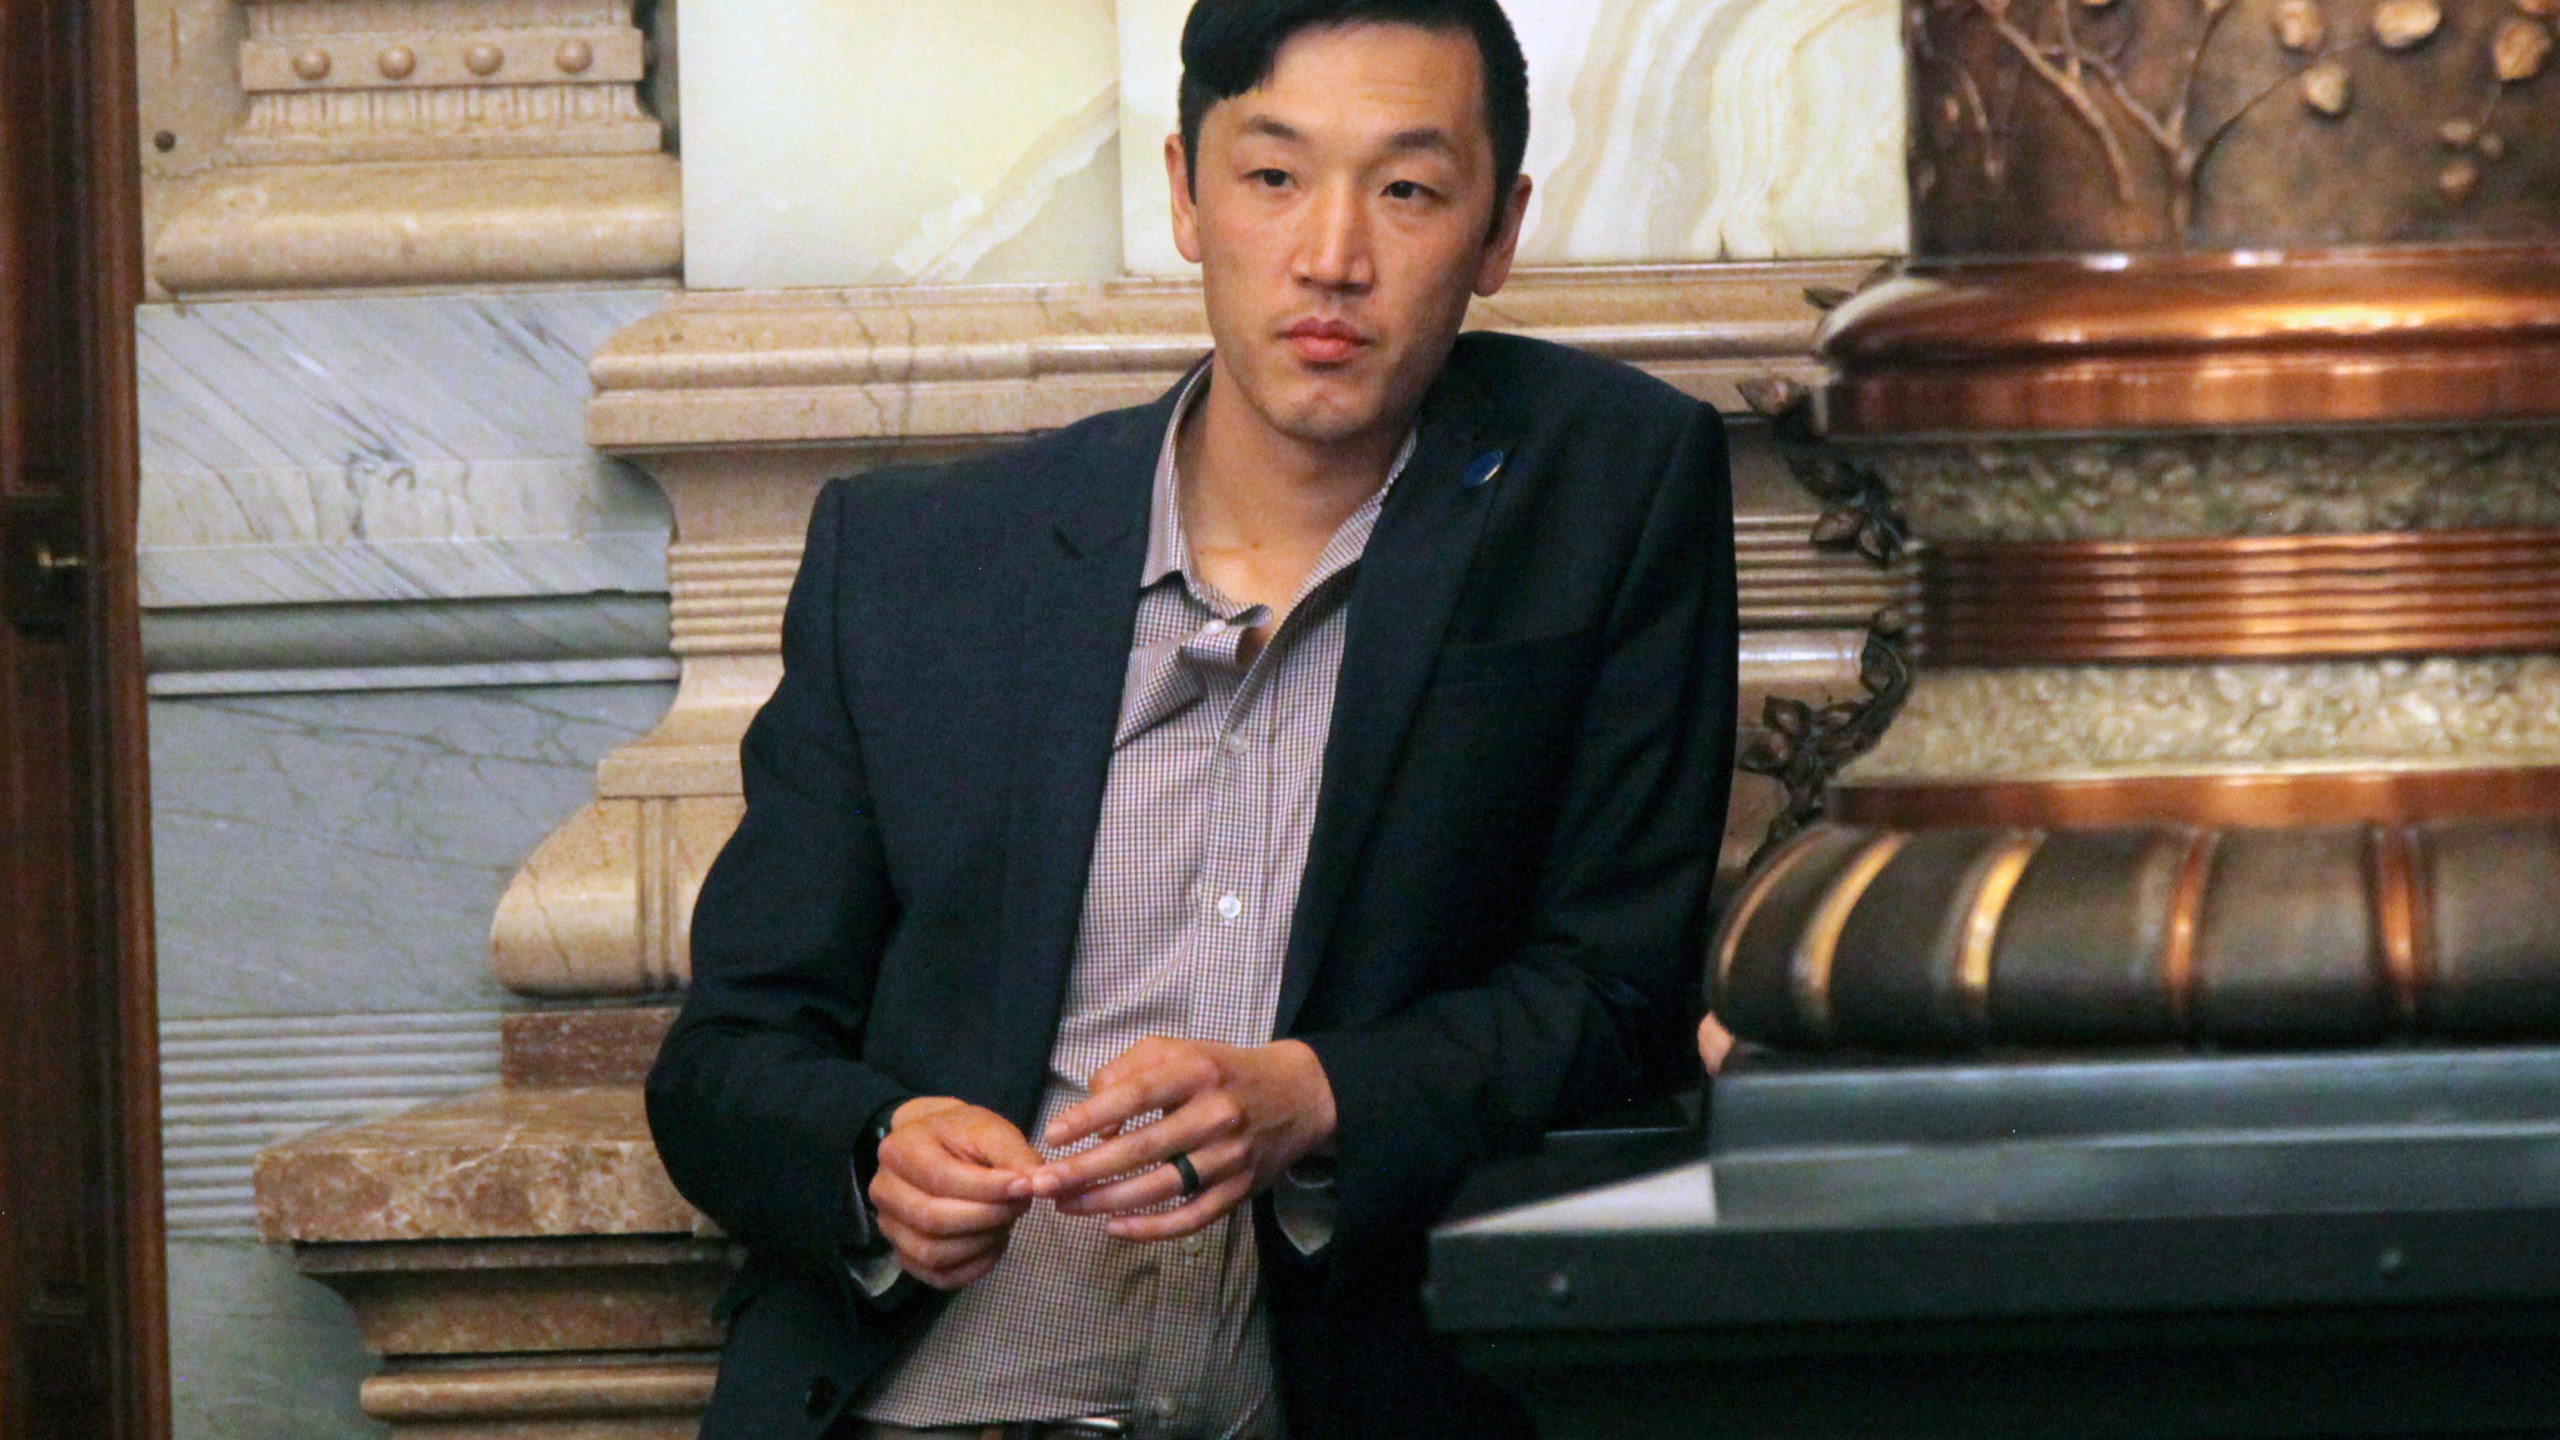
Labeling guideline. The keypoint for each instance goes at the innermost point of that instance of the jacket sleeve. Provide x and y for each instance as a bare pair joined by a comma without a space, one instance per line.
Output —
759,1097
1594,1009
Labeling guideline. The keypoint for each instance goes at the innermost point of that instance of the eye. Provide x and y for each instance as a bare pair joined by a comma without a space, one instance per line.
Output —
1271,179
1407,190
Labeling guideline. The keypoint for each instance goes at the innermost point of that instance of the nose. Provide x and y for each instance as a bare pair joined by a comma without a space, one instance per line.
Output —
1335,253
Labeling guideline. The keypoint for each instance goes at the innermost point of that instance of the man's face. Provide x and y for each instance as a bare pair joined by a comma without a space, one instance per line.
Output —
1341,223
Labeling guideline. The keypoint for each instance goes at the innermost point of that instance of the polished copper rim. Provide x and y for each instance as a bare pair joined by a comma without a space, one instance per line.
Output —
2186,918
2264,801
2399,915
2449,592
2403,336
1809,972
1993,883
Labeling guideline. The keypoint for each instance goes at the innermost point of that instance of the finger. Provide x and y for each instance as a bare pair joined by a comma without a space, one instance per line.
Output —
1155,1187
1714,1043
957,1278
927,1160
1203,1210
1117,1101
991,1140
925,1252
894,1196
1112,1108
1194,1126
1147,1054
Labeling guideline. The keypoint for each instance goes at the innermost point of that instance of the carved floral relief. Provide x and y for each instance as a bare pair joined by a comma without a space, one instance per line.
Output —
2074,125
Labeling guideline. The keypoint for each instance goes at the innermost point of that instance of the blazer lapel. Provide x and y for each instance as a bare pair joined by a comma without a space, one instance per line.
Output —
1400,607
1080,608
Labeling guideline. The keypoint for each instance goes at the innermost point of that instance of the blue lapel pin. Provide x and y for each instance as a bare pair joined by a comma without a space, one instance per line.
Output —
1483,469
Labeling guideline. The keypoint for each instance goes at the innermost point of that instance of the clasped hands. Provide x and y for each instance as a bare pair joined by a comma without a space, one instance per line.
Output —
954,1177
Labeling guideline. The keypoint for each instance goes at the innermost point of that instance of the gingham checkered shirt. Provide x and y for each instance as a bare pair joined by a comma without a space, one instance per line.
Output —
1205,822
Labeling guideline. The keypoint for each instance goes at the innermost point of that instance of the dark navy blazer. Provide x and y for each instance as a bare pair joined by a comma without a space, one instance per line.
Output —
1498,929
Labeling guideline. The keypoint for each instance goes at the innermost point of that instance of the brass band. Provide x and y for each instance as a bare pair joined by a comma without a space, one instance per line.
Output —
2398,910
2255,801
2186,916
2000,872
1810,975
2253,597
2415,335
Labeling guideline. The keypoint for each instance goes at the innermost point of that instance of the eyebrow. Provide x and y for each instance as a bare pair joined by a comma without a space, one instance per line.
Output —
1406,142
1403,142
1277,130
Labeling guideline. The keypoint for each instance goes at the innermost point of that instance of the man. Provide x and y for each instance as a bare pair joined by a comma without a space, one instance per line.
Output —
1180,847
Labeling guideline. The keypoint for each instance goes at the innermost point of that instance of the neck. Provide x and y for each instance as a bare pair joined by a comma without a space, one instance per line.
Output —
1245,483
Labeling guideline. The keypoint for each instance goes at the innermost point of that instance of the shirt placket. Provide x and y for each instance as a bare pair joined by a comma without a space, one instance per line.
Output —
1174,1379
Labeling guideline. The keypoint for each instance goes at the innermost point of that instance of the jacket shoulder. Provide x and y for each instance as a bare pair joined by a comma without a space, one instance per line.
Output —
1545,381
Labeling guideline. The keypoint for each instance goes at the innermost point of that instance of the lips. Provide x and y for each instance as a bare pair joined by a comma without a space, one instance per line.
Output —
1325,342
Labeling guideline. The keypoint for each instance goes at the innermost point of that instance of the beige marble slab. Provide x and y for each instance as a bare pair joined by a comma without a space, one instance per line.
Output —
501,1164
1661,130
869,142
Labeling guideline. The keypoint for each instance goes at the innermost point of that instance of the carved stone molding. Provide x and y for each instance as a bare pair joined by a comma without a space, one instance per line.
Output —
356,143
742,405
517,1257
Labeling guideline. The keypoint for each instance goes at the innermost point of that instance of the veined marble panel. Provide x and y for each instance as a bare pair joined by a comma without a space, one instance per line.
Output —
257,1351
315,854
869,142
1660,130
401,448
230,1088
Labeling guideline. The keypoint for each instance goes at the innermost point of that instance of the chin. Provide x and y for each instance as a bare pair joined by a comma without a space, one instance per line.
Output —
1324,410
1325,425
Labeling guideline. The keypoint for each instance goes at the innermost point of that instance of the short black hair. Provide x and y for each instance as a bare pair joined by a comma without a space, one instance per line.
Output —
1232,46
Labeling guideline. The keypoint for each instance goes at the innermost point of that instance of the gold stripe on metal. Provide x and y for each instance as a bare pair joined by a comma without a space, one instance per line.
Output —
2186,916
2005,865
1755,890
1809,977
2398,904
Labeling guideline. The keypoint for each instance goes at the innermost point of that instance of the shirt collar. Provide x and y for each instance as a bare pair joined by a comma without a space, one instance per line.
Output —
1168,549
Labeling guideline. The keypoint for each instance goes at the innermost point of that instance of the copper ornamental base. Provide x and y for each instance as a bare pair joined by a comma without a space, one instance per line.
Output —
2218,316
2114,342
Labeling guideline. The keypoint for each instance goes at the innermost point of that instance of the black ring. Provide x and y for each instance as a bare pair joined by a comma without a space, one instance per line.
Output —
1190,1174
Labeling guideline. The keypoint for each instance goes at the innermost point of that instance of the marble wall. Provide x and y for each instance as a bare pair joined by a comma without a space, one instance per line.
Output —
325,869
385,448
844,142
395,612
864,142
1660,130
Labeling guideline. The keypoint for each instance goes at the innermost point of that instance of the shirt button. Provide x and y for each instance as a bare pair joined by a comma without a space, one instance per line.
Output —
1230,906
1194,1243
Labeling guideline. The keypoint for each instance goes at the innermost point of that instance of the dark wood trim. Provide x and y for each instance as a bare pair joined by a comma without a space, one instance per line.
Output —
106,137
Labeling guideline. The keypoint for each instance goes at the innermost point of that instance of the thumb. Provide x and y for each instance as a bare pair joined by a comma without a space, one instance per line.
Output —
991,1140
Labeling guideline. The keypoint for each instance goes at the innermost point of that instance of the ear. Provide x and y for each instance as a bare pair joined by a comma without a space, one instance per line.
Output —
1186,211
1494,270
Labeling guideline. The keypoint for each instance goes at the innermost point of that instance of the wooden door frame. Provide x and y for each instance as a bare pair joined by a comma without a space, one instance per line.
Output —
104,135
